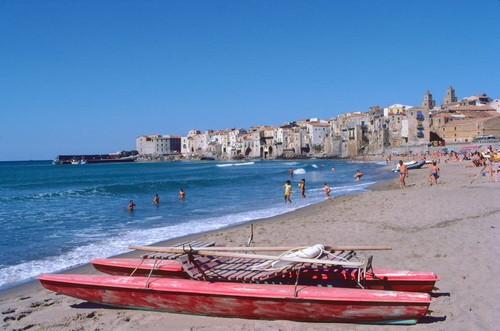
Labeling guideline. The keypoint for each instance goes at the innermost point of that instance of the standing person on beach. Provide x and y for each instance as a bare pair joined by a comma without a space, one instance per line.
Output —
182,195
302,185
131,205
434,173
327,190
156,199
403,174
288,190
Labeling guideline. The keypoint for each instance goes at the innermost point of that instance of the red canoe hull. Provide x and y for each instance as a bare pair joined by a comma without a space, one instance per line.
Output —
395,280
255,301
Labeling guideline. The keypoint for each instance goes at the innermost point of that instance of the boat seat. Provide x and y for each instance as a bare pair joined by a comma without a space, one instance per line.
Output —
171,256
214,268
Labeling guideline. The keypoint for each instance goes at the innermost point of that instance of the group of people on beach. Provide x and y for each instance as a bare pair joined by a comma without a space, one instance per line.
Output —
302,185
403,174
156,200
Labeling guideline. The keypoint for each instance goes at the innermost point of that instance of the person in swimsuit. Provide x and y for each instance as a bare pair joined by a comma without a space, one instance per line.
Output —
358,175
288,190
182,195
302,186
327,190
434,174
156,200
131,205
403,174
291,172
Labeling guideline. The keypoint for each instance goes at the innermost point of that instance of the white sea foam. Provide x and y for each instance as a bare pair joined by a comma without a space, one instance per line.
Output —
299,171
236,164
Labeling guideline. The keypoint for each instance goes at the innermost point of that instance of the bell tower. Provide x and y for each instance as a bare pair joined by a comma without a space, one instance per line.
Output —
450,96
428,103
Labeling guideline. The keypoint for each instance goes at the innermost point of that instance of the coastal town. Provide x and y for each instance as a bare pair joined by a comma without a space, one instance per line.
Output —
397,128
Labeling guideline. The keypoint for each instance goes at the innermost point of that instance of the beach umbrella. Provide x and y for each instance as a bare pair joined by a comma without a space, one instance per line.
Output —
469,147
444,149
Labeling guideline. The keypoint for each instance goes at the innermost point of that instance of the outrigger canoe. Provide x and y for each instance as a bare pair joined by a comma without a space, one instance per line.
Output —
257,301
380,279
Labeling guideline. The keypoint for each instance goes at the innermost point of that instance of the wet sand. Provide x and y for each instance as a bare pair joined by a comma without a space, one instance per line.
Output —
451,229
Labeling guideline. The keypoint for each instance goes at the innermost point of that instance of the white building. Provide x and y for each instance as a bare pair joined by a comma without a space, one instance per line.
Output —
317,132
157,145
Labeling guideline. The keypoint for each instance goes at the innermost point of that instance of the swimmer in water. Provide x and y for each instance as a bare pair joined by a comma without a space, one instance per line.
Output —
358,175
156,200
288,190
182,195
291,172
131,205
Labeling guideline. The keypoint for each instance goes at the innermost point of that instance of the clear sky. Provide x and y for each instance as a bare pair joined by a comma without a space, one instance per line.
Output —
83,77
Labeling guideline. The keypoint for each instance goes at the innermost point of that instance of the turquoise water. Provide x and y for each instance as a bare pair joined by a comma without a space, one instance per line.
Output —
57,217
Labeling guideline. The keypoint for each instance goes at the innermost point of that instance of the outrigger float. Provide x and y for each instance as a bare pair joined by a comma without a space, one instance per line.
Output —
327,284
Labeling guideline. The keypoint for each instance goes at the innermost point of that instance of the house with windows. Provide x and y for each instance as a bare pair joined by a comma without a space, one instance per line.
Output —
156,145
465,130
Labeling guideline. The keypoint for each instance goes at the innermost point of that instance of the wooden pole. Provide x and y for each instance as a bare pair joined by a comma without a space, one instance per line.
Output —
473,179
279,248
176,250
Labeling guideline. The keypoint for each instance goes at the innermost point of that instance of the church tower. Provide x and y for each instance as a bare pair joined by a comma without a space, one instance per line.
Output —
450,96
428,103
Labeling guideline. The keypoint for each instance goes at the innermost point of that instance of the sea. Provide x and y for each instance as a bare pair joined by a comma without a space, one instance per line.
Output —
56,217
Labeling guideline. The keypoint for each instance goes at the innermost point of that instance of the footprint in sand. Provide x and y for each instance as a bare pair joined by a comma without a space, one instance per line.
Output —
9,311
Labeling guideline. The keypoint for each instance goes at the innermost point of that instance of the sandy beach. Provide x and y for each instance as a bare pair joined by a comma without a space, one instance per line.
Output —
451,229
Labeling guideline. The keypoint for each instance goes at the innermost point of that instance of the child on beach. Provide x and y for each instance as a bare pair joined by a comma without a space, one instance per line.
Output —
131,206
327,190
182,195
288,190
302,185
434,173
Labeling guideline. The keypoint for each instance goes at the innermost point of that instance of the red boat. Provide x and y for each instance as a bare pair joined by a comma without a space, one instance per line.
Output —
380,279
258,301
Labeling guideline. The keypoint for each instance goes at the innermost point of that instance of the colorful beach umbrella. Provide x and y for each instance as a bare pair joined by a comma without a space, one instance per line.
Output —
469,147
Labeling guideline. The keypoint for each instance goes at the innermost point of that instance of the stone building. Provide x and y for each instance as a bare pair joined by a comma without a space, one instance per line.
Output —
450,98
465,130
158,145
428,103
418,124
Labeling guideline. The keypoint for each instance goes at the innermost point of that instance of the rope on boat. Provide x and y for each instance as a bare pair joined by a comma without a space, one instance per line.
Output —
150,273
133,272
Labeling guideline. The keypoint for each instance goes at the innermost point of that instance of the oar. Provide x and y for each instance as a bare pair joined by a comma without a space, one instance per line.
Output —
204,251
282,248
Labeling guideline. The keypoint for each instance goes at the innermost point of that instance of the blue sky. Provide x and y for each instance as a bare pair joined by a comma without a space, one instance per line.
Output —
82,77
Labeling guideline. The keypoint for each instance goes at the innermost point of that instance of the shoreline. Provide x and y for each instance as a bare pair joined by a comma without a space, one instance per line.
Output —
86,268
448,229
18,285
